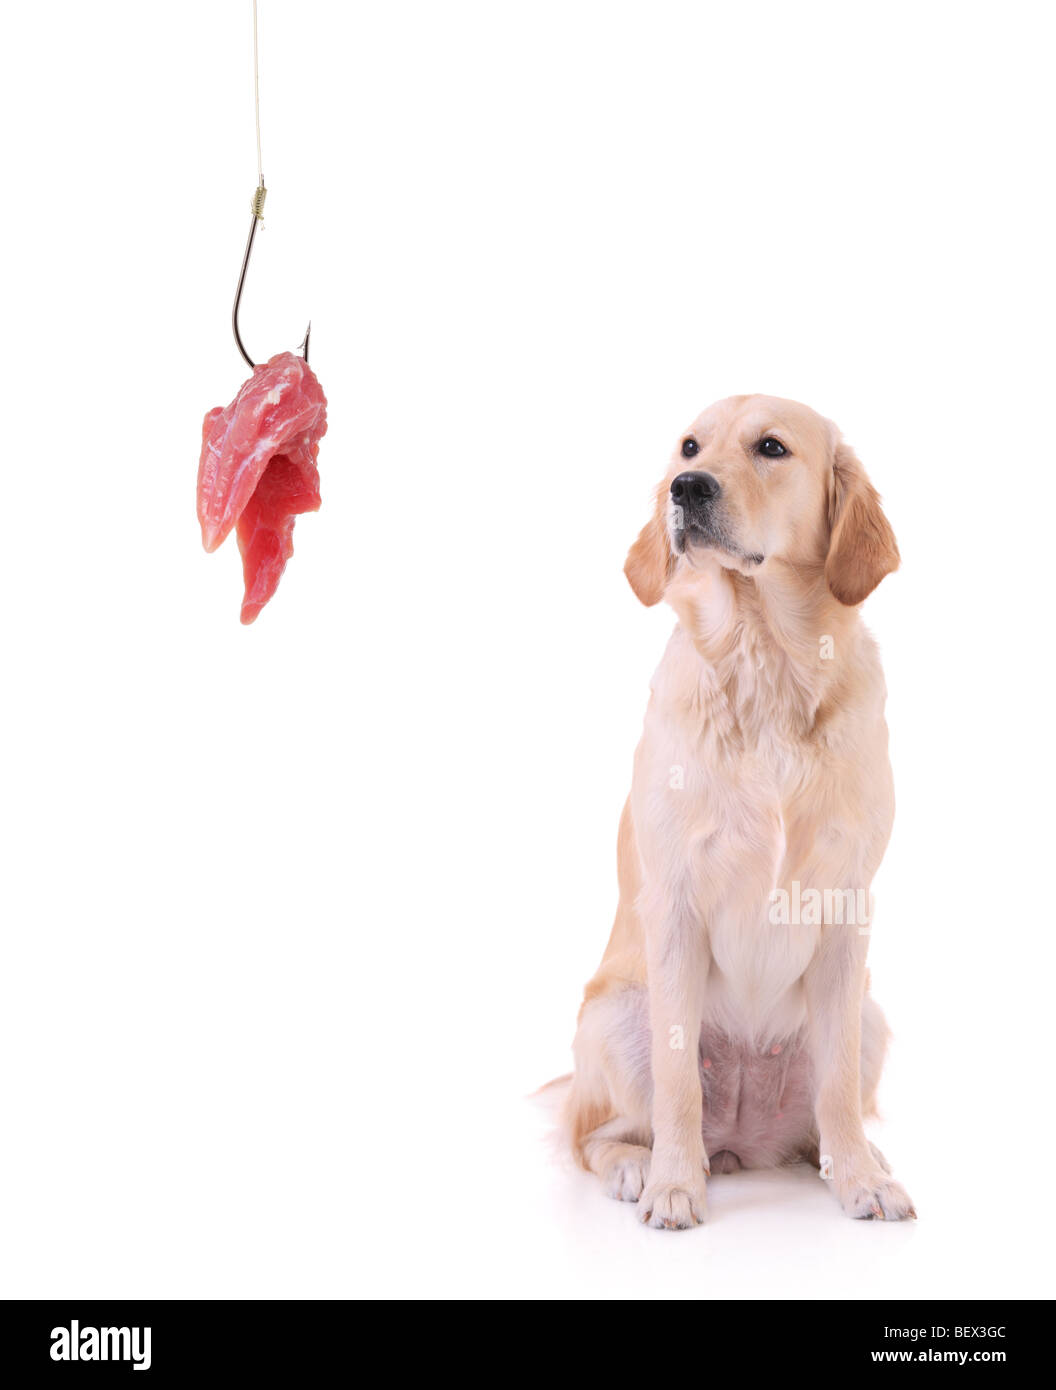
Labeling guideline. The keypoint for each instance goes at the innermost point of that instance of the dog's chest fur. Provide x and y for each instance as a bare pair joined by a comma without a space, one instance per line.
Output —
728,782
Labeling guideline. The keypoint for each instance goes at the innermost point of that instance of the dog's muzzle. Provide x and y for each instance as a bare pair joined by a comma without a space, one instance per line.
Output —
693,495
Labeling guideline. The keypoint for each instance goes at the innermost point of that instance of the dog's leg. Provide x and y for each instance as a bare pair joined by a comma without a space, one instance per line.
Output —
875,1035
835,989
677,958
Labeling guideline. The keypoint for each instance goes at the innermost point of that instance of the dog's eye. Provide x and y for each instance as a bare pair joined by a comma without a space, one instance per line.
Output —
772,448
689,448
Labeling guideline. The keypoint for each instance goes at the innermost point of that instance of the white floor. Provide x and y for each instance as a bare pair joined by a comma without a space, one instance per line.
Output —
480,1207
769,1235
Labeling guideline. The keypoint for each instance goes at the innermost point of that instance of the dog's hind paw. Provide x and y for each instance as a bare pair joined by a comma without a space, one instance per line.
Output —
627,1175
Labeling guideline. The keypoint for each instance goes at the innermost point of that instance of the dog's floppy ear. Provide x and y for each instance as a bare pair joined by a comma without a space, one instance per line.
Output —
862,546
650,561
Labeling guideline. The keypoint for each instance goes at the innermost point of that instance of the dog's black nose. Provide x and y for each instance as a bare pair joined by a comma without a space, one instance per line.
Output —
691,488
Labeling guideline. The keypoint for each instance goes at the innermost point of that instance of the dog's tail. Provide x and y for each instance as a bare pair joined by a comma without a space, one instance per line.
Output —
551,1085
576,1110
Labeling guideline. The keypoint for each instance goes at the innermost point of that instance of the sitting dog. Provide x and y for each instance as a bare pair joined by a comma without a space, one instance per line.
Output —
729,1023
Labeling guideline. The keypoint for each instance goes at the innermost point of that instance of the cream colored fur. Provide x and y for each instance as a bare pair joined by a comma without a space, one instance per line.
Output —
763,764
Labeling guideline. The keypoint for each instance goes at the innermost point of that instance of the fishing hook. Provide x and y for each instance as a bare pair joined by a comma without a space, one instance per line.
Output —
258,213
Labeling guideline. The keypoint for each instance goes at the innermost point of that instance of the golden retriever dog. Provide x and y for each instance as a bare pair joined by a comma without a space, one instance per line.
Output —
729,1023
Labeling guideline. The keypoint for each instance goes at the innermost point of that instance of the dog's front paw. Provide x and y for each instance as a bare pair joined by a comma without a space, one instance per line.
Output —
669,1206
874,1196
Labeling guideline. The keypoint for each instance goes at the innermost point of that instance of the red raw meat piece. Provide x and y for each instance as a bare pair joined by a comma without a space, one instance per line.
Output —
258,471
265,528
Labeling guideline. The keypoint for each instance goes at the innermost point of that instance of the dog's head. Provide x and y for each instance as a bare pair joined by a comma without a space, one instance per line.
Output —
758,481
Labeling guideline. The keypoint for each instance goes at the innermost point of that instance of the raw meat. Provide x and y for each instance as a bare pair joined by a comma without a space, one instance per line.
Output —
257,470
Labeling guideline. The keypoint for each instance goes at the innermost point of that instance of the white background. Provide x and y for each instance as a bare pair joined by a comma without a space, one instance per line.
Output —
294,916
